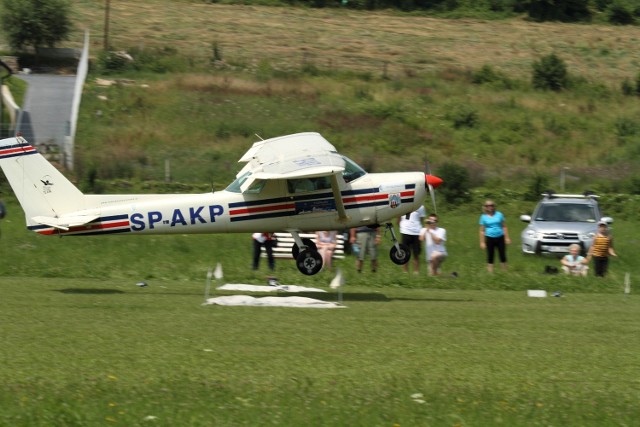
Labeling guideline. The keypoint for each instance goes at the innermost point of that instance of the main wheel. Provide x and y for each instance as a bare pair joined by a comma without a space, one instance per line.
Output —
309,262
295,250
401,256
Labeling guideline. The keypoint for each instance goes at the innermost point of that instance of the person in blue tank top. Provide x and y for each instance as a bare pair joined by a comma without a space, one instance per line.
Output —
494,235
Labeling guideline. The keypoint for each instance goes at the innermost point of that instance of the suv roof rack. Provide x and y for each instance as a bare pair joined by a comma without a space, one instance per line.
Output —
549,194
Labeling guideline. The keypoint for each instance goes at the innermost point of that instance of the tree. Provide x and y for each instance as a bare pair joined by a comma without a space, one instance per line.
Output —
35,23
558,10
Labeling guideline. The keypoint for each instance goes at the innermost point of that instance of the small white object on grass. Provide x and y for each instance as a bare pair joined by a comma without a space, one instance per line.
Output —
536,293
337,281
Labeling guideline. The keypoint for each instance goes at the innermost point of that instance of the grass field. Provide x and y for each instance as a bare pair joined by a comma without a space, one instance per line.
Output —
83,345
80,352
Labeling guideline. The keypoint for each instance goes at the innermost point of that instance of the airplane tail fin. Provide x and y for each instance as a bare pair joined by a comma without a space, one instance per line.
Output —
44,193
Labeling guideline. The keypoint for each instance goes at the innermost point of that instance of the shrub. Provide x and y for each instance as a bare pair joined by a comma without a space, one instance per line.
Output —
462,115
625,127
456,183
619,14
538,184
216,52
109,62
627,88
559,10
486,74
550,73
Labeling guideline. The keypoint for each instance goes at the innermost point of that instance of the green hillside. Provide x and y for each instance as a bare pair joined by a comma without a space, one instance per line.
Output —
390,90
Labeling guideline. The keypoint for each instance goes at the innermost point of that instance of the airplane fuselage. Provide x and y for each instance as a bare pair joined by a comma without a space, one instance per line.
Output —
370,199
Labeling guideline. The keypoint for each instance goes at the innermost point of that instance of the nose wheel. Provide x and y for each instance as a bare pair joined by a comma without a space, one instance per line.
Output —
400,253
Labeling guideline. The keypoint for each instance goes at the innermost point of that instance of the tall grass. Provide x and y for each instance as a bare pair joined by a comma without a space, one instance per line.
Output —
203,124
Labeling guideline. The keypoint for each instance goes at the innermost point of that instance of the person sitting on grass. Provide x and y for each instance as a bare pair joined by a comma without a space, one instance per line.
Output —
573,263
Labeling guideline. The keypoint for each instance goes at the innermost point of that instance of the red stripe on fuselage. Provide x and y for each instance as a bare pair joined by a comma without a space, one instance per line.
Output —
16,150
372,197
262,209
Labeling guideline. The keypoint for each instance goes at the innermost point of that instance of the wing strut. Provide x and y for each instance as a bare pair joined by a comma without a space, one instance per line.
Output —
342,213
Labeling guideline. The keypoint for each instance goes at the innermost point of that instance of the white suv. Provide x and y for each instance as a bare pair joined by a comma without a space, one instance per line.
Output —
560,220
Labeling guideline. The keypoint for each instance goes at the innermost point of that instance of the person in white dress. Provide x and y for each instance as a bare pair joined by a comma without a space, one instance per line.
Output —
326,242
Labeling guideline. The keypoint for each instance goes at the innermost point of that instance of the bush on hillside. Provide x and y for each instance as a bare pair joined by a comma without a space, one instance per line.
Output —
627,88
112,62
558,10
550,73
457,185
462,115
537,185
620,14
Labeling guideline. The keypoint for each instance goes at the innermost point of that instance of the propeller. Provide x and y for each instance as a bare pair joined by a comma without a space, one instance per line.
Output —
432,182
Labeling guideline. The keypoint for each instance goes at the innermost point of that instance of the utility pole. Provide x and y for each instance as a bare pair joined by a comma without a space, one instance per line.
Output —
563,177
5,73
107,7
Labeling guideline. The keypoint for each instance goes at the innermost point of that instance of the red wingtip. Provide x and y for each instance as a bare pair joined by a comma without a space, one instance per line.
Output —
432,180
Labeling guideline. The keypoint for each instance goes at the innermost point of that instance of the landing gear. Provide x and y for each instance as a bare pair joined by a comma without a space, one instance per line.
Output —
309,262
308,243
399,254
305,252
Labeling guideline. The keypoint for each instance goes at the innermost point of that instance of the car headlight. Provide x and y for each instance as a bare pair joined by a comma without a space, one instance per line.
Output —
532,234
588,236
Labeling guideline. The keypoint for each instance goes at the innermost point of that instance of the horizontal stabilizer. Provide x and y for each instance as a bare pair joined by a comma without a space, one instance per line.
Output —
65,222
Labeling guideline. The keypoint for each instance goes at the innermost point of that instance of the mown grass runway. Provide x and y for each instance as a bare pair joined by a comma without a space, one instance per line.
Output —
105,352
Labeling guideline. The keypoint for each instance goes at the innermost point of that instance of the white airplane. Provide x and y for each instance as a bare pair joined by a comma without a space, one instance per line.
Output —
295,183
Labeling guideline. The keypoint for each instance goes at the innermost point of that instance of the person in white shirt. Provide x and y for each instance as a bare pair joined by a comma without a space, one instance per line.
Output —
410,225
434,238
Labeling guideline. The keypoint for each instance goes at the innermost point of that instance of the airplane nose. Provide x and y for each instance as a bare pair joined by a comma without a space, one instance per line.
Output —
432,180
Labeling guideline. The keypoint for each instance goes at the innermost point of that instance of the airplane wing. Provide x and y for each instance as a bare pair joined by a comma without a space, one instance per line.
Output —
301,155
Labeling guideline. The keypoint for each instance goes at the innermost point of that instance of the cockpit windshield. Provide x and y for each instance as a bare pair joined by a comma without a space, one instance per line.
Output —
255,187
351,170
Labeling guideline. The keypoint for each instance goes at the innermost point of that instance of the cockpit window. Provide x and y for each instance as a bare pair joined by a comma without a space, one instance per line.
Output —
255,187
351,170
234,187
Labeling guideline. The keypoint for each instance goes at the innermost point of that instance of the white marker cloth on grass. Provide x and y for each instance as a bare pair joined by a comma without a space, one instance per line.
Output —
258,288
246,300
534,293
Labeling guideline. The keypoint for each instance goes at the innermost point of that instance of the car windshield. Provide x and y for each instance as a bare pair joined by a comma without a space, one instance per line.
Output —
566,212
